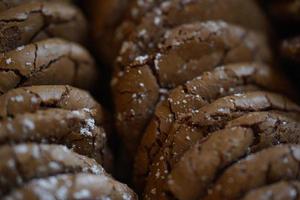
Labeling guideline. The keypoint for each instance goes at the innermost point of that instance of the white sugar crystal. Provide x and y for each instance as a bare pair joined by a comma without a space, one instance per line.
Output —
20,48
18,98
90,125
8,61
84,193
54,165
141,59
21,149
28,124
34,99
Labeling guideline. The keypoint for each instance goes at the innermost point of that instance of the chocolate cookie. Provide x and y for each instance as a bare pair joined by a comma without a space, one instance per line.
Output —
200,165
75,129
284,190
78,186
25,162
290,49
40,20
31,99
187,52
72,116
260,169
180,140
147,36
51,61
186,99
6,4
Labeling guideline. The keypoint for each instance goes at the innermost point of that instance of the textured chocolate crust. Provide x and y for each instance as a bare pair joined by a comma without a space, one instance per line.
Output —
75,129
72,116
187,52
37,21
201,164
265,167
182,137
25,162
30,99
51,61
78,186
147,36
185,100
290,49
6,4
284,190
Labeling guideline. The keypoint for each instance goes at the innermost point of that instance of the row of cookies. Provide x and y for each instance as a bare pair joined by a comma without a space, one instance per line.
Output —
201,108
53,136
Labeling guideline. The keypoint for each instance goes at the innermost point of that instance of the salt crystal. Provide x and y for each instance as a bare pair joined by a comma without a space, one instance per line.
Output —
157,20
141,59
84,193
20,48
28,124
8,61
21,149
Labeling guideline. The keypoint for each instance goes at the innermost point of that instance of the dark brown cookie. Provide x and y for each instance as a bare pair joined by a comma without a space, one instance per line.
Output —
290,49
30,99
187,52
6,4
199,166
75,118
75,129
211,117
36,21
186,99
79,186
169,14
51,61
257,170
284,190
24,162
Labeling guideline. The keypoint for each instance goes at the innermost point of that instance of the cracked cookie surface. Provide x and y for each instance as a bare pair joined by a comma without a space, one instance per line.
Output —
25,162
33,22
250,133
78,186
210,118
185,100
187,52
48,62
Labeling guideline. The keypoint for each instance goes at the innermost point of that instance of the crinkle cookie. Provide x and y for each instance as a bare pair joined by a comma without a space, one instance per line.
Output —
71,115
47,62
283,190
199,166
73,186
6,4
186,99
25,162
212,117
257,170
163,15
187,52
36,21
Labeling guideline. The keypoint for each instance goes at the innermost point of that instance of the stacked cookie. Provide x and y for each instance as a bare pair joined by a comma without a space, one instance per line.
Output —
200,106
53,135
